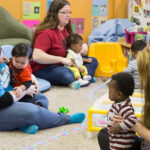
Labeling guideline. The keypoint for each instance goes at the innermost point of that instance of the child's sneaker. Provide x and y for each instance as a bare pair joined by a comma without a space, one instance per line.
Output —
83,82
75,85
32,129
87,77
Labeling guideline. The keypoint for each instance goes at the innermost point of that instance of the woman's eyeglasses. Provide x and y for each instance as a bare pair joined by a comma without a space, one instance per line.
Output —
65,13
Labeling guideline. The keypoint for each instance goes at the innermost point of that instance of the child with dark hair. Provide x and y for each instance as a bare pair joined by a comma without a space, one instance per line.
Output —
132,66
4,74
20,69
121,87
74,43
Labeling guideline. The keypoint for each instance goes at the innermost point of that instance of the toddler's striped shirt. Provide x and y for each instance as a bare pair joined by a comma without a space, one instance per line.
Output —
125,139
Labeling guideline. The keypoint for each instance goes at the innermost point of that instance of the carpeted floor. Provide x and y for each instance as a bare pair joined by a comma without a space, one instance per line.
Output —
69,137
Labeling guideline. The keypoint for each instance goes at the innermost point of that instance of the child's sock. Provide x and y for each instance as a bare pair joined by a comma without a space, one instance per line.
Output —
93,79
75,85
87,77
83,82
32,129
77,118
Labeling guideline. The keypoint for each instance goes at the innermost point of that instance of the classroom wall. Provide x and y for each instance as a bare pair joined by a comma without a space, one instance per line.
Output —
80,9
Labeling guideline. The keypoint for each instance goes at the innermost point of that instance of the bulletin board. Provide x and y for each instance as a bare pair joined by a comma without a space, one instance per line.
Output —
139,12
99,12
31,11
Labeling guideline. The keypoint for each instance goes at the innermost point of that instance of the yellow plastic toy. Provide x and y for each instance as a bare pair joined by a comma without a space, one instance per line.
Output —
110,58
101,107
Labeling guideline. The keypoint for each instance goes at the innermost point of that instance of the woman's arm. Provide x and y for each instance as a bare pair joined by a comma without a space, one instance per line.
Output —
41,57
8,98
142,131
30,91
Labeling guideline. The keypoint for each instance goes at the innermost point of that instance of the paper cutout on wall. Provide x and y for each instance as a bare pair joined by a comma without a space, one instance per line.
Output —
78,25
48,4
31,10
96,21
31,23
99,7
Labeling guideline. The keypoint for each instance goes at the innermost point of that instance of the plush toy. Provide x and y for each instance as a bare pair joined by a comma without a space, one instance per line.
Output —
63,110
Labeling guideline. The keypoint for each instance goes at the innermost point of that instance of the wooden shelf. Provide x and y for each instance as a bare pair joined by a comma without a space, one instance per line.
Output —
123,43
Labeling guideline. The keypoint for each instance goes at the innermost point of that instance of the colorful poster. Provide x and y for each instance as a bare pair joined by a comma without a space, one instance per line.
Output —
31,23
48,4
31,10
96,21
78,25
99,7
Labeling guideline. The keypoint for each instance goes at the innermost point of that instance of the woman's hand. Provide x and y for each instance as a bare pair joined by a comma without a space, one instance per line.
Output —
18,91
115,129
34,80
66,61
31,90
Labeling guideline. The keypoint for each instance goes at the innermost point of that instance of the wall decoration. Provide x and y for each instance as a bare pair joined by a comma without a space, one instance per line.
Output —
31,10
31,23
78,25
96,21
99,7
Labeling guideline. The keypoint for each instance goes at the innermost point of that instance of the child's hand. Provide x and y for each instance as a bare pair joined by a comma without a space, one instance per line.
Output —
18,91
89,60
82,70
31,90
104,79
115,129
34,80
6,60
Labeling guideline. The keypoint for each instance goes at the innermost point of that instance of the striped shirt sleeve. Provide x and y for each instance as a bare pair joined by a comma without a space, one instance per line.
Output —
131,67
128,114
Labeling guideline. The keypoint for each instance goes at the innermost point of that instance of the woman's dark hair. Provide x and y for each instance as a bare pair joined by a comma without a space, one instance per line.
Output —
138,45
125,83
51,20
73,39
22,50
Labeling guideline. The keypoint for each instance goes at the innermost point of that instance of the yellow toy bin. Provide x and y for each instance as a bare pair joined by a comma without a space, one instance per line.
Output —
97,114
110,58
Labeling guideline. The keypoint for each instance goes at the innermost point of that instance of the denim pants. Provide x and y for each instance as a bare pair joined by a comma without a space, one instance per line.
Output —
35,99
21,114
61,75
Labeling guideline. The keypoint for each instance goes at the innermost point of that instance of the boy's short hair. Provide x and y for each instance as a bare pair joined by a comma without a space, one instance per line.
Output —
125,83
22,50
138,45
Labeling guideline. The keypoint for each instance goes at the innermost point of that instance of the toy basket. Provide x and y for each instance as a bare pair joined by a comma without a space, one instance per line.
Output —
130,35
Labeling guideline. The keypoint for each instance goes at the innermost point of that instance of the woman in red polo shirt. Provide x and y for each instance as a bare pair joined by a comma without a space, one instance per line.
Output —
50,47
